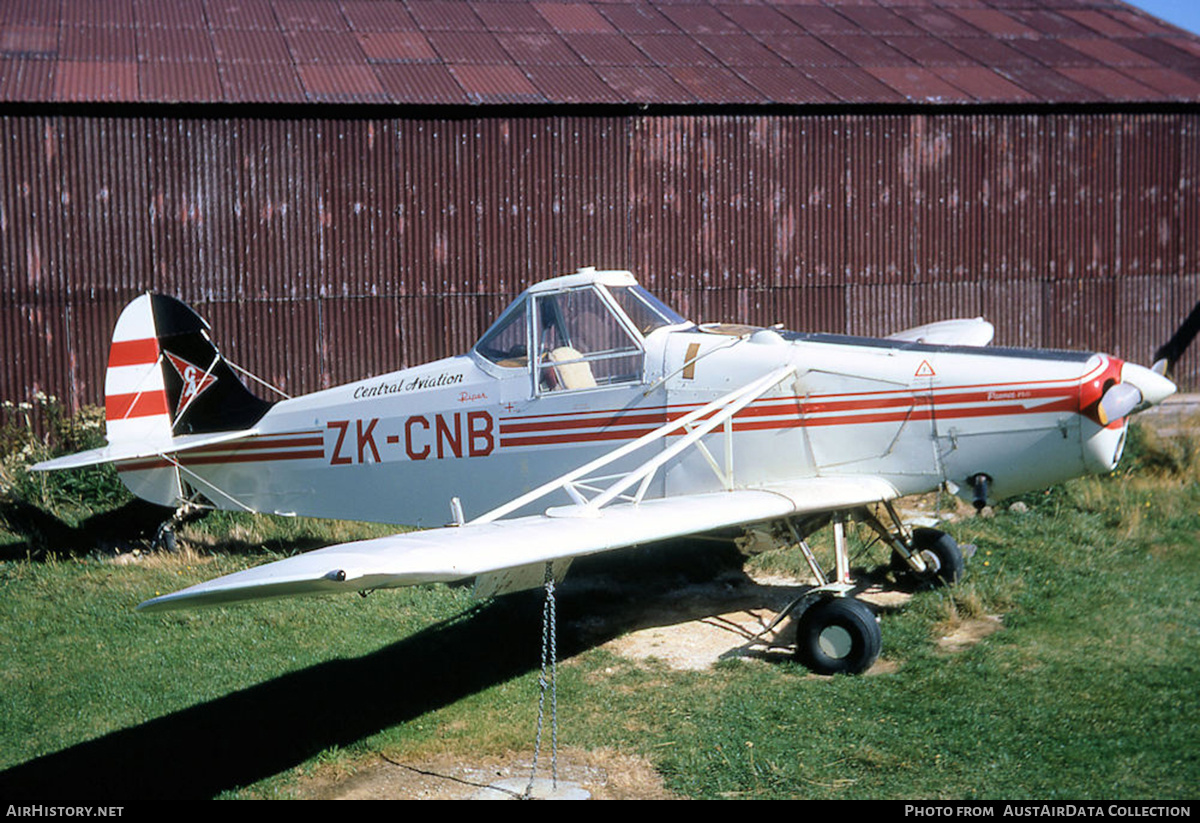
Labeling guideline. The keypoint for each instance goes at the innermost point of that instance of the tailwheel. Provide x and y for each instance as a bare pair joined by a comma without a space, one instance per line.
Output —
838,635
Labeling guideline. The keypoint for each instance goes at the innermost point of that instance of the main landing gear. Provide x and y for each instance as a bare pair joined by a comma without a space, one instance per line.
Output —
838,635
835,632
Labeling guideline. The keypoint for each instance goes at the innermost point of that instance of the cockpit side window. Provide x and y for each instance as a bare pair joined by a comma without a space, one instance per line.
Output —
582,344
506,343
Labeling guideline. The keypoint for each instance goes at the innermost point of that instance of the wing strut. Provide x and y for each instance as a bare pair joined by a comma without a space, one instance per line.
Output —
575,482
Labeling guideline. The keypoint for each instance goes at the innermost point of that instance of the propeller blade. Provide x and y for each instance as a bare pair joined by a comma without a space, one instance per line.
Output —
1170,352
1119,401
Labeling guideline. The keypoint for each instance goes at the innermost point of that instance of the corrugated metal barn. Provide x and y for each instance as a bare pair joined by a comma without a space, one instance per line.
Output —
343,187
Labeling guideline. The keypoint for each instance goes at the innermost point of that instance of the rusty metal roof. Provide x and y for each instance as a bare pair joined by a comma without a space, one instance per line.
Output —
482,52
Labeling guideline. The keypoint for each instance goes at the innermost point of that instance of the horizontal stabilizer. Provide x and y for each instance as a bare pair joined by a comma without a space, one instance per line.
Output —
133,450
460,552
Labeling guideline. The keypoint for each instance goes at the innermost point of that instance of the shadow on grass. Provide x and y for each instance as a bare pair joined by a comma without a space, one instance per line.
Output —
132,525
266,729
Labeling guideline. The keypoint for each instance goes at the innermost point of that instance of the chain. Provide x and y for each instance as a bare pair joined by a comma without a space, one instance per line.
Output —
549,660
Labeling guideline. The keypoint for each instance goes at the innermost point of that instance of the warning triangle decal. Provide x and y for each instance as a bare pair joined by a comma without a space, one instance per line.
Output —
924,370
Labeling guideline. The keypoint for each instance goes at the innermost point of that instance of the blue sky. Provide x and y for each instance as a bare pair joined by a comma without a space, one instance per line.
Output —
1183,13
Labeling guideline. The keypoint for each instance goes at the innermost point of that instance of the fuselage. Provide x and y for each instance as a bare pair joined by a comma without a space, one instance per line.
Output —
397,448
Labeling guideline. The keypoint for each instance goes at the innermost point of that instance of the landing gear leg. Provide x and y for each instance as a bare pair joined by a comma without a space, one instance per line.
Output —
929,555
835,633
164,538
942,557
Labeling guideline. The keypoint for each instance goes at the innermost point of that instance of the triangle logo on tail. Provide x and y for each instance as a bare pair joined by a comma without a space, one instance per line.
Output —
195,380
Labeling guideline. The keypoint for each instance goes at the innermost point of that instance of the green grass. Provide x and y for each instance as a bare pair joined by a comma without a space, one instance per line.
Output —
1087,693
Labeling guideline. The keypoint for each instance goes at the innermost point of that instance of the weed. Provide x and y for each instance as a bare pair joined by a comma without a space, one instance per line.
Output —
1146,451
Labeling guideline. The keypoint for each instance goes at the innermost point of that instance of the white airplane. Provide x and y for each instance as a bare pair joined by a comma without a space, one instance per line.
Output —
592,417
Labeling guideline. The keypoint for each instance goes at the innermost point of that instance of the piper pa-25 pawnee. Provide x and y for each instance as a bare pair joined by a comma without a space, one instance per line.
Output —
592,417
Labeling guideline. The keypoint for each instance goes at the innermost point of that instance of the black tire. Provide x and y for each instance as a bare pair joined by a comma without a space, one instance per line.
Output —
165,539
838,635
941,550
940,553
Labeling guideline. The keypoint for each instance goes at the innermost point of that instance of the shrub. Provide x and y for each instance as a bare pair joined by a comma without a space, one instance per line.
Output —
39,430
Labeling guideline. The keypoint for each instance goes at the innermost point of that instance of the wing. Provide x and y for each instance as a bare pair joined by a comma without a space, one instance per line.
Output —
460,552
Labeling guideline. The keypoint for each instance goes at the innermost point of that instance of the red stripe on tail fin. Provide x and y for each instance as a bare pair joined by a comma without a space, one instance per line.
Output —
129,406
133,352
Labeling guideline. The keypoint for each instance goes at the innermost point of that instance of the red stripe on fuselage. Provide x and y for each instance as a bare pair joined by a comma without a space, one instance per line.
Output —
652,418
200,460
265,447
919,411
1001,400
579,437
974,392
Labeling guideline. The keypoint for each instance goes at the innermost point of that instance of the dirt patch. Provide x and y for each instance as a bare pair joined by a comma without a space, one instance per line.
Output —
604,774
696,645
969,632
185,558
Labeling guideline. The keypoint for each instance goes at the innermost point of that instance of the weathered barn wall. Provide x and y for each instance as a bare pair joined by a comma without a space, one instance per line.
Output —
327,250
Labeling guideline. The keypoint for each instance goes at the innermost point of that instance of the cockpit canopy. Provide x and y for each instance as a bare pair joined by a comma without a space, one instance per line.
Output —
586,329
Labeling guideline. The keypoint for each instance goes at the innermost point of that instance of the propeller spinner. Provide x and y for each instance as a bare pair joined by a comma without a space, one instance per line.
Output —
1141,388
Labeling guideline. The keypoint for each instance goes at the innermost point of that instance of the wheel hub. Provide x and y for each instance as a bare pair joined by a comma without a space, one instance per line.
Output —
836,642
933,563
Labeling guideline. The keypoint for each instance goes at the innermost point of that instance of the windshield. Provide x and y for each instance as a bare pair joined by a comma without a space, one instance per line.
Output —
644,310
577,336
506,342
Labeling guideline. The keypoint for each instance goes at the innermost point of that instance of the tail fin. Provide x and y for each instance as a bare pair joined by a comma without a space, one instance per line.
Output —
165,380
